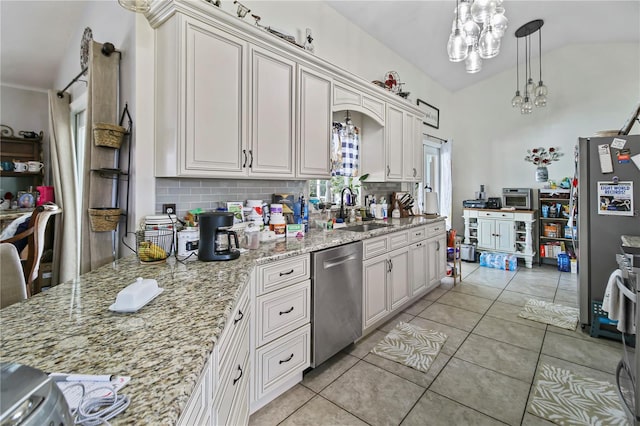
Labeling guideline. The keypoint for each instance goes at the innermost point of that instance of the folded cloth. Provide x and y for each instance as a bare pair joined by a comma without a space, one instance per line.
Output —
620,303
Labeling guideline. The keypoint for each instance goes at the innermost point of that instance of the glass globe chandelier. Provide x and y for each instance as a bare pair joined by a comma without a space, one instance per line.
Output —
533,95
476,32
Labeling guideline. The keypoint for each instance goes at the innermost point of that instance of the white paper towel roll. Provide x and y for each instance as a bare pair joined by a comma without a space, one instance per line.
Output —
431,202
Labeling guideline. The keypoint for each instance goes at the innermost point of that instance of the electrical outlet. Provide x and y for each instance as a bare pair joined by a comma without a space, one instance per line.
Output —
169,208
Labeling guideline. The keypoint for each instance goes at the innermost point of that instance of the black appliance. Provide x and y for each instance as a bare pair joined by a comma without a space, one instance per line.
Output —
494,203
216,237
474,204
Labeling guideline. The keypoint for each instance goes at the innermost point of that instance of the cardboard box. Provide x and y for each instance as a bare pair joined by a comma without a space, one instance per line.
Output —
295,230
552,230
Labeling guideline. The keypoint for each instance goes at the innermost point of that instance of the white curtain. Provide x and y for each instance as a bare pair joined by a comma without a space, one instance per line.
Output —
102,103
446,184
65,183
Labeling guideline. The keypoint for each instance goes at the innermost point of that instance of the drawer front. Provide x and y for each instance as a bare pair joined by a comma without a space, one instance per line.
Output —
375,247
232,379
417,234
238,322
398,240
435,229
497,215
282,273
197,408
282,359
282,311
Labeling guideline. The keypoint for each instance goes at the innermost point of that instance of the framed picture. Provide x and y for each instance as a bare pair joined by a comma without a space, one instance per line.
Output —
431,114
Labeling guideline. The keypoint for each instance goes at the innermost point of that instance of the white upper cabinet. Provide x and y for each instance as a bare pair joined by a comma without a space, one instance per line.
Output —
314,124
271,151
394,143
352,99
418,156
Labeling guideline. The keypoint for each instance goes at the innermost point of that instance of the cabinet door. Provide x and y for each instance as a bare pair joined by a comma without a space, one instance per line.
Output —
441,248
271,151
213,100
418,156
408,149
399,277
314,131
486,233
394,139
505,235
374,277
418,266
431,262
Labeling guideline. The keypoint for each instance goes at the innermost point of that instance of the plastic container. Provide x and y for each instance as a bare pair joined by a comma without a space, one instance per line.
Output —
563,263
277,224
275,209
252,236
188,240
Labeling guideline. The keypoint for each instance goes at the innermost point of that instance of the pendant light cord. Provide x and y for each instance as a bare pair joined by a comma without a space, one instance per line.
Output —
540,50
526,62
517,64
529,41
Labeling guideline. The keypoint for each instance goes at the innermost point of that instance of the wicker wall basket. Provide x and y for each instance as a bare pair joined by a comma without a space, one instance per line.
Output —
104,218
109,135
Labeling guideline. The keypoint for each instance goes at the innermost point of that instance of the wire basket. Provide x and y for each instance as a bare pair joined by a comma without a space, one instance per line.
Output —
154,246
104,219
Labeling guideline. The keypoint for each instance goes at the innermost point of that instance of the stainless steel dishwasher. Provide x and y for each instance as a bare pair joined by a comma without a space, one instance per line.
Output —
337,299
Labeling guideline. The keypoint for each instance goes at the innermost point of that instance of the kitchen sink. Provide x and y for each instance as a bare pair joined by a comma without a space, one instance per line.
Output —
364,227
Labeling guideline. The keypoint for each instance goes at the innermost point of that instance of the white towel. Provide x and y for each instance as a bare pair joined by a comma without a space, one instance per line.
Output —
618,306
611,293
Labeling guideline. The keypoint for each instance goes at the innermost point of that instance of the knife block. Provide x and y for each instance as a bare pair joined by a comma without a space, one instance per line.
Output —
395,202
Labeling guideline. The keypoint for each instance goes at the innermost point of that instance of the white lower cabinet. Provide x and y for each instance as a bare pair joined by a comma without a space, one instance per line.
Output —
281,329
418,267
375,296
399,277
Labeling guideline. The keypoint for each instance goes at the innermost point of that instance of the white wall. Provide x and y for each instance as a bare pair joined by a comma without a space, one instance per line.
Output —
591,88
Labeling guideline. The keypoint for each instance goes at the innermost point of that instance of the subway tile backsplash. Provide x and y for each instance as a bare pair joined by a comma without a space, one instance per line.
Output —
209,194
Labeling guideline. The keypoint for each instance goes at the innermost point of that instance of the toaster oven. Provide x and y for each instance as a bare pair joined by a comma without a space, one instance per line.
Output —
518,198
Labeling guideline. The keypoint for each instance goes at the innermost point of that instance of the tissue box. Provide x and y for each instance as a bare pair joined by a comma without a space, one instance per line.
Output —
295,230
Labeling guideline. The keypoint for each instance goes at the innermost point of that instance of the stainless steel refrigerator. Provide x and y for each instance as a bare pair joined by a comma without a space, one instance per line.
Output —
605,212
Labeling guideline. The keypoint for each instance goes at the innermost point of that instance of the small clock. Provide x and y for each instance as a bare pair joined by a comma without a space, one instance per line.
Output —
87,38
26,201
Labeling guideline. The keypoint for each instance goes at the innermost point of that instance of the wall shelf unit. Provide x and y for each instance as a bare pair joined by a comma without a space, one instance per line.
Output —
555,234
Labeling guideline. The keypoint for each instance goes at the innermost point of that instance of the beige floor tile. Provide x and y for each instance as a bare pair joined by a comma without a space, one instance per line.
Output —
468,268
466,301
568,284
320,411
484,390
435,294
435,410
490,293
578,351
322,376
519,299
509,332
507,359
567,298
510,313
583,334
455,336
480,277
535,280
373,394
450,315
580,370
281,407
533,290
361,348
531,420
418,307
389,325
411,374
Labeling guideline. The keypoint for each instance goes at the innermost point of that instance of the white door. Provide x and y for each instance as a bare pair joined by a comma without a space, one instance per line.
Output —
271,151
399,277
418,267
394,136
486,233
314,132
505,235
213,102
374,277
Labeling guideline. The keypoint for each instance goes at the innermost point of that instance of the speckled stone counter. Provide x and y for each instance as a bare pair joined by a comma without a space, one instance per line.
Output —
163,346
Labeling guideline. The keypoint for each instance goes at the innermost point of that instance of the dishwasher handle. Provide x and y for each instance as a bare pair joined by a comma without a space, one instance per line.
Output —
337,261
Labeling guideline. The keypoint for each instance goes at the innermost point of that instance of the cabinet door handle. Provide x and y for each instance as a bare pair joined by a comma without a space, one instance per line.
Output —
419,245
390,266
239,375
244,164
437,245
415,172
241,315
286,273
282,361
251,162
287,311
388,170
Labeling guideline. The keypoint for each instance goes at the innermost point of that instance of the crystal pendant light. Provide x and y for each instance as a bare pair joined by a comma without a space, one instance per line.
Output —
527,106
473,63
516,102
464,11
457,47
541,91
472,32
499,22
140,6
483,10
489,44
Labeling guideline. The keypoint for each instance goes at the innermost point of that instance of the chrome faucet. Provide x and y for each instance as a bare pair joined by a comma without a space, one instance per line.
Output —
346,188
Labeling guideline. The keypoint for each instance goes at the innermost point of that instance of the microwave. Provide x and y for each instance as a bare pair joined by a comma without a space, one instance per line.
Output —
518,198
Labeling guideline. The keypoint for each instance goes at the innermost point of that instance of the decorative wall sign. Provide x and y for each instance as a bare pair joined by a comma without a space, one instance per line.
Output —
431,114
615,199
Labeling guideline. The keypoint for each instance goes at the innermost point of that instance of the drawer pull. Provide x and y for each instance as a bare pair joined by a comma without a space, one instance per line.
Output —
436,229
286,273
286,360
240,316
239,375
287,311
419,245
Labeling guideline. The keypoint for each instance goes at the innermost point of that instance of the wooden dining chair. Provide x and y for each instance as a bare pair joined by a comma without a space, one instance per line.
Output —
35,244
12,286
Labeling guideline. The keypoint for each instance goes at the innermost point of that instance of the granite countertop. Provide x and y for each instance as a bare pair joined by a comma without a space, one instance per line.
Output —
165,345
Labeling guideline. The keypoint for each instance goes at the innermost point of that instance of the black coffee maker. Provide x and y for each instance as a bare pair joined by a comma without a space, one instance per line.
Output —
216,237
